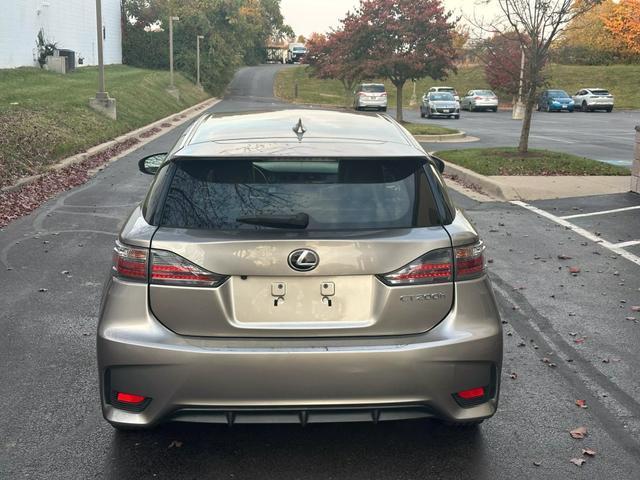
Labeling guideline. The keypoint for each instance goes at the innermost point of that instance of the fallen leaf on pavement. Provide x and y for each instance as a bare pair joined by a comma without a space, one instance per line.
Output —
588,452
574,270
537,463
578,433
175,443
579,340
564,257
578,461
513,376
635,308
581,403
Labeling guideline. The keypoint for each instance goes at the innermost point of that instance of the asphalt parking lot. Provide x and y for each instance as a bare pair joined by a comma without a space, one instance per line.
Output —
51,422
608,137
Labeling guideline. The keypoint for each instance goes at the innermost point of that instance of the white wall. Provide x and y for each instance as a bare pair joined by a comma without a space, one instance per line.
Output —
69,23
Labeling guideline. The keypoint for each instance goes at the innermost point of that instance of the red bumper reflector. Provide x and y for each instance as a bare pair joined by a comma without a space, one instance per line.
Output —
473,393
130,398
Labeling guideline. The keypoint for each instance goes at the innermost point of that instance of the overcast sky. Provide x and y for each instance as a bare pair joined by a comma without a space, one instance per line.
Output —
308,16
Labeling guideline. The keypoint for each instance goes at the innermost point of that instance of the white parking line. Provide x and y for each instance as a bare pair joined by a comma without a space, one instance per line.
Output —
602,212
630,243
553,139
581,231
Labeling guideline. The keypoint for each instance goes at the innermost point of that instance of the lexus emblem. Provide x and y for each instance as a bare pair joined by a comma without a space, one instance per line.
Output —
303,260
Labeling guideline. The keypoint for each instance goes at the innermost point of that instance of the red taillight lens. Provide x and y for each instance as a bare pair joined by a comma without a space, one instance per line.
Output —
477,98
470,261
130,263
131,398
170,269
433,267
472,393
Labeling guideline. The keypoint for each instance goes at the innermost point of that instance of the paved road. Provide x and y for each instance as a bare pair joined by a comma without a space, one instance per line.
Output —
50,419
608,137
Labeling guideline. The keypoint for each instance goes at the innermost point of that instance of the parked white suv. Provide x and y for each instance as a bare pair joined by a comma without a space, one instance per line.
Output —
370,95
590,99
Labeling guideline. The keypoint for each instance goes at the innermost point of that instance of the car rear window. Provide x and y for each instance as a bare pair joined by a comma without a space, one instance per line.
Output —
600,92
373,88
442,96
336,194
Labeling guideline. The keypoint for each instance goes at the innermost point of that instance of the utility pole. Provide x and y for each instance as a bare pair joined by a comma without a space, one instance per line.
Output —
172,88
102,102
198,38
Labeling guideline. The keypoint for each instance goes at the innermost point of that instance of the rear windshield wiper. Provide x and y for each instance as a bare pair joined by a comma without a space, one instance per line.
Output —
298,220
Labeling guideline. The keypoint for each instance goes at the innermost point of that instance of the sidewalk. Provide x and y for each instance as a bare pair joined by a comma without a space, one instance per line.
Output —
539,187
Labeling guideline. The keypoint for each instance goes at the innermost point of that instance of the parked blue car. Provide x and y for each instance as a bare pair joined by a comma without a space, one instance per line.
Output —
555,101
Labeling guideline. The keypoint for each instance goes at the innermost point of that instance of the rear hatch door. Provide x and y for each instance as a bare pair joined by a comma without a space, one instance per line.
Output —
364,218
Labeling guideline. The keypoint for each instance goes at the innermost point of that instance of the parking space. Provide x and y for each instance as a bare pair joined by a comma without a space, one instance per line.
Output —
613,221
607,137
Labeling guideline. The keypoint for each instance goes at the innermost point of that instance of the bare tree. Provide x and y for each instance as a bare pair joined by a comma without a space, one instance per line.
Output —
536,24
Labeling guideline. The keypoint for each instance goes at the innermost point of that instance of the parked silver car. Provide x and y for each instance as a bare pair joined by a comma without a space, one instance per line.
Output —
591,99
370,95
297,270
439,104
476,100
450,90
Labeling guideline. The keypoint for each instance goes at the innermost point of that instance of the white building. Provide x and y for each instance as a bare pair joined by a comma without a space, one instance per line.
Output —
69,23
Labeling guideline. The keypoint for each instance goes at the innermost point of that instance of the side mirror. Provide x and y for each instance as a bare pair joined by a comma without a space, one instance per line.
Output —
439,163
151,164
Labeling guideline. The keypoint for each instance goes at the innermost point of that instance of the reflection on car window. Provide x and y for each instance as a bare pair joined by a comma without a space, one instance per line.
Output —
336,194
558,94
441,96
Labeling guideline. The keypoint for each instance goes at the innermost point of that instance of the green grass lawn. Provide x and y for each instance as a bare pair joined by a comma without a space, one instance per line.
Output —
427,129
507,161
45,116
622,80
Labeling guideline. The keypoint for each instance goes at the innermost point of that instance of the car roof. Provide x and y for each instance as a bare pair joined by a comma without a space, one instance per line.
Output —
271,134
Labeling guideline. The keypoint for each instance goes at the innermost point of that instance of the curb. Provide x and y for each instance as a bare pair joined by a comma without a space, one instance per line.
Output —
189,114
445,137
487,185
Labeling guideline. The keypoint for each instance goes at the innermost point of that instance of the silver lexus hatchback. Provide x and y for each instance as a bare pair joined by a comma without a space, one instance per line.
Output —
297,266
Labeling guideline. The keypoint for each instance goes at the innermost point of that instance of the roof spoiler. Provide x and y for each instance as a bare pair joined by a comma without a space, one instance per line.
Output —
439,162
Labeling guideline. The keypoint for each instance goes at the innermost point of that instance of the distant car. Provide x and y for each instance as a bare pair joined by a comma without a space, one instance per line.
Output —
439,104
295,52
450,90
370,95
555,101
479,100
590,99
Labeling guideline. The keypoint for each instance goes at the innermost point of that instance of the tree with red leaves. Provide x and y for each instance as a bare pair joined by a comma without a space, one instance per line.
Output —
402,40
332,56
503,59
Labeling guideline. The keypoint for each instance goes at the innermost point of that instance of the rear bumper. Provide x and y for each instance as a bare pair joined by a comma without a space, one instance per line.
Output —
298,380
382,103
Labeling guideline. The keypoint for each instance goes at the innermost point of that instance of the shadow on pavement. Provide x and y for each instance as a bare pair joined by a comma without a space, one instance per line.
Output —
409,449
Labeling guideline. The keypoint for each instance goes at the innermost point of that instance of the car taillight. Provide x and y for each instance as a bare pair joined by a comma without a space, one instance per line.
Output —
170,269
167,268
433,267
383,94
469,261
130,263
477,98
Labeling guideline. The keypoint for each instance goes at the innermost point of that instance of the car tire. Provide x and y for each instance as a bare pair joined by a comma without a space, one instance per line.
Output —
429,113
472,108
384,109
457,117
421,114
494,110
609,110
585,108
